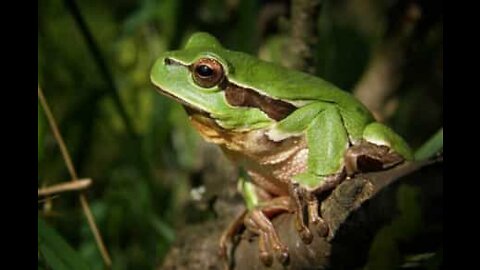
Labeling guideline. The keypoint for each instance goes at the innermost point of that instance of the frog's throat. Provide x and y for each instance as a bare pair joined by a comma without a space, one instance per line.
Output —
233,140
211,131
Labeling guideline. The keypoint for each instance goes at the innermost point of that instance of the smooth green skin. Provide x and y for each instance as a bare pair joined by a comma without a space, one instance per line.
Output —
329,117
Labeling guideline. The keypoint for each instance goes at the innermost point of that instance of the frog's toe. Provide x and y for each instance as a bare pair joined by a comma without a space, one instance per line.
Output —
266,258
298,195
282,256
269,241
321,227
303,231
265,255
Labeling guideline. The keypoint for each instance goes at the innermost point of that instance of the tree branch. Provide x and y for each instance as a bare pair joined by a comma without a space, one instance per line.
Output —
384,74
355,211
304,34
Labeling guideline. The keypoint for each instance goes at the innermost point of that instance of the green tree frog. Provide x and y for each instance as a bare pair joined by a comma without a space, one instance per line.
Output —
297,136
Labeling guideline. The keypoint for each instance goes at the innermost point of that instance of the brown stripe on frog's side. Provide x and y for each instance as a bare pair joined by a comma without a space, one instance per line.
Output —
245,97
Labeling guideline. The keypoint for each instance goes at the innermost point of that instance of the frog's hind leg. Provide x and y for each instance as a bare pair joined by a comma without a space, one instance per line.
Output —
261,208
380,149
369,157
233,228
258,221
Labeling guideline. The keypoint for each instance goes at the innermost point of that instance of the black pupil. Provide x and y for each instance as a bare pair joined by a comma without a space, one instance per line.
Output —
204,71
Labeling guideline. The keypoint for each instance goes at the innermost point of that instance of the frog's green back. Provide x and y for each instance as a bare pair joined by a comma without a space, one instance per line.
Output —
275,81
267,78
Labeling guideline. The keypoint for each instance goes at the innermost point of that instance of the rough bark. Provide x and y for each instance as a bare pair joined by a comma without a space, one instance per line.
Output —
304,34
376,89
355,211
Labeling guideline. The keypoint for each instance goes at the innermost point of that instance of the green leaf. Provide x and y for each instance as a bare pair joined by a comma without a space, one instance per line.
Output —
56,252
431,147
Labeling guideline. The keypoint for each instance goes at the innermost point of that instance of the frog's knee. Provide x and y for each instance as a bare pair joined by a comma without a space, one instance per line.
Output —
380,134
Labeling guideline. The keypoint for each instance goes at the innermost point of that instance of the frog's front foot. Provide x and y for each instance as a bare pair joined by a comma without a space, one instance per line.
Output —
307,209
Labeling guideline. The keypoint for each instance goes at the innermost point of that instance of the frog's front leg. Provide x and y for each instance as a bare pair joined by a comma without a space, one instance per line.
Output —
331,158
327,142
307,212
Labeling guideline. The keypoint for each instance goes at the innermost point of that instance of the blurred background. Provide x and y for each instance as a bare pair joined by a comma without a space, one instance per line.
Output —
151,172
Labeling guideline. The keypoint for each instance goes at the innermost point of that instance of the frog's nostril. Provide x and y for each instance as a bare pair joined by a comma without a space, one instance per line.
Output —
169,62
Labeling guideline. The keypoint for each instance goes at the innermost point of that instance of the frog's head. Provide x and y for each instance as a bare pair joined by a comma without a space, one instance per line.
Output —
204,77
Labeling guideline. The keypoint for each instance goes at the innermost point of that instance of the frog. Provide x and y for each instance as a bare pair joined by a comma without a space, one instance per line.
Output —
295,135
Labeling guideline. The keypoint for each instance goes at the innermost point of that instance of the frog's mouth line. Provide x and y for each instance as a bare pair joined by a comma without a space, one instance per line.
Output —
191,109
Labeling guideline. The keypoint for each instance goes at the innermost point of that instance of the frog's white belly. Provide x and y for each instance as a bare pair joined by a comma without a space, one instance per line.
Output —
271,165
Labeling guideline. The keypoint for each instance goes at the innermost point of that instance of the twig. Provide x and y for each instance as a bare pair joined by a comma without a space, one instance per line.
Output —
383,76
77,185
46,199
355,211
303,34
73,174
112,88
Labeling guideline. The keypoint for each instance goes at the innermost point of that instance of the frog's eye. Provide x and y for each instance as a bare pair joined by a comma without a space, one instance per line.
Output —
207,72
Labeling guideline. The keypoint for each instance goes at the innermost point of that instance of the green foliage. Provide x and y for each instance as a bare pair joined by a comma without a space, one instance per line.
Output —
54,252
431,147
384,252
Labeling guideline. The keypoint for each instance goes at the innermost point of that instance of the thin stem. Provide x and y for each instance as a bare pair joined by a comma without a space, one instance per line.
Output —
430,148
79,184
73,174
57,135
378,85
99,60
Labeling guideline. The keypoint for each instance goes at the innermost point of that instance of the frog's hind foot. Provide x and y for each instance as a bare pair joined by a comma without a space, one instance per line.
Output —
258,222
369,157
228,235
269,243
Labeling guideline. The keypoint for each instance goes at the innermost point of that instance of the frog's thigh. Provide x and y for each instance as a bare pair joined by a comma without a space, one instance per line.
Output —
327,141
380,134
